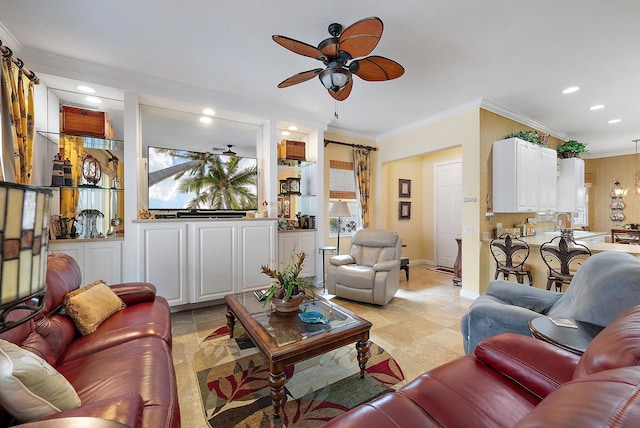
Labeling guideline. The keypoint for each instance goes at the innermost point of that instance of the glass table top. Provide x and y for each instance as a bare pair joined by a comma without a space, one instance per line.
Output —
287,329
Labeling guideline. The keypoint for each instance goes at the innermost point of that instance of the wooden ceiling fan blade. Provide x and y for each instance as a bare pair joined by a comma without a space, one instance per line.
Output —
300,77
360,38
301,48
376,68
343,93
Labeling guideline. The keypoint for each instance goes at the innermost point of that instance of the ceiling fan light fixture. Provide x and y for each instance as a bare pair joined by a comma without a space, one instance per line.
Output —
335,77
229,152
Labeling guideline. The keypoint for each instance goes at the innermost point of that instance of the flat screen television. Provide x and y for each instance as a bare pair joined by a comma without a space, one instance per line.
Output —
196,181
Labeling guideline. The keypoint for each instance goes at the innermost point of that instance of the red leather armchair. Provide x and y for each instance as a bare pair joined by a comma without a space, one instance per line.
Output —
516,381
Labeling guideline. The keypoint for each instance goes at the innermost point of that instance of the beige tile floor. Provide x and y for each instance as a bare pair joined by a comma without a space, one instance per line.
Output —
419,328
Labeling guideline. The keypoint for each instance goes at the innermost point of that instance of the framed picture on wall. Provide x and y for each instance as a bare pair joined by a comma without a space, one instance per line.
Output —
404,188
404,211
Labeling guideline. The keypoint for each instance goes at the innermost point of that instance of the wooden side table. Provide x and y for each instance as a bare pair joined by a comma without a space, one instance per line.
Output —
570,339
457,266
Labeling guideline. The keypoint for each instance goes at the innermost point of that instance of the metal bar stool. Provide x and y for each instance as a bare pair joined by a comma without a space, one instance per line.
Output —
510,254
563,256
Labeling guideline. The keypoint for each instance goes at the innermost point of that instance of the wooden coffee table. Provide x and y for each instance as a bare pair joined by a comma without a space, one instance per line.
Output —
286,339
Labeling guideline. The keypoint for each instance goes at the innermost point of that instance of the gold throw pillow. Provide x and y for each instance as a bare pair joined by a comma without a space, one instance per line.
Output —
89,306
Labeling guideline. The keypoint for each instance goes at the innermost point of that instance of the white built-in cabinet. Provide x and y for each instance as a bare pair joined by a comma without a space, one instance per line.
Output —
197,261
524,177
99,259
291,242
571,193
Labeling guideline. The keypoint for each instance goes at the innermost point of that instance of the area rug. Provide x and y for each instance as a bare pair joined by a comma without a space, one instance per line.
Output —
233,376
441,269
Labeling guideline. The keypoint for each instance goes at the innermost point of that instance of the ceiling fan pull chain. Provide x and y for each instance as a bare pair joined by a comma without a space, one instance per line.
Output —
335,111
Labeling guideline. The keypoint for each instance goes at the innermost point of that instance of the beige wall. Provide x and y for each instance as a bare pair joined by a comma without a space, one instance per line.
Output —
461,131
601,174
418,232
412,155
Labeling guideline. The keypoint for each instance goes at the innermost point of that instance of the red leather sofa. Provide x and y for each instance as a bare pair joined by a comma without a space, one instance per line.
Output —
514,380
123,371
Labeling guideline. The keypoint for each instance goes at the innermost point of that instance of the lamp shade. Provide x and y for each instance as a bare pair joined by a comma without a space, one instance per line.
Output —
339,209
24,235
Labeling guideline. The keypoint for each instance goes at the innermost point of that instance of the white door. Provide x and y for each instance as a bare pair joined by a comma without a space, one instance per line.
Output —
448,191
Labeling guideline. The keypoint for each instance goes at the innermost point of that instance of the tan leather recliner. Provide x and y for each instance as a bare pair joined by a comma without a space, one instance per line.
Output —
370,273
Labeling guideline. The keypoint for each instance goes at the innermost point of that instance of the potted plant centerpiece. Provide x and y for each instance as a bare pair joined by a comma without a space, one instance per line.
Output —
287,290
571,149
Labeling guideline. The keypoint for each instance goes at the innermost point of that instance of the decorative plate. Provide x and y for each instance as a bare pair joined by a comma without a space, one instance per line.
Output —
313,318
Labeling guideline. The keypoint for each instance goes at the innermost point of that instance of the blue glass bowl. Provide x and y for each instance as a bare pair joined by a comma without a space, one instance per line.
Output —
313,317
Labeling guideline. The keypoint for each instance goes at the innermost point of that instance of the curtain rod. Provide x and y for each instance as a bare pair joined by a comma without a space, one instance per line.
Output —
8,53
351,145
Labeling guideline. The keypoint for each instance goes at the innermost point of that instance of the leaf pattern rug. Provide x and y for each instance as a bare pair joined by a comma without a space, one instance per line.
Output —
233,376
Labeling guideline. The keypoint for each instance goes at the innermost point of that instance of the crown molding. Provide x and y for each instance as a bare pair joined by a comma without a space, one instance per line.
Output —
455,111
350,133
510,114
8,39
472,105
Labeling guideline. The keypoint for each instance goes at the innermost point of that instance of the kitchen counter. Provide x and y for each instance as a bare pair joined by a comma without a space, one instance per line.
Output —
592,240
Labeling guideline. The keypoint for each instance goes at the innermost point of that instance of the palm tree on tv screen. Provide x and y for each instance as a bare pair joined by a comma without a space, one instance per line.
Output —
220,183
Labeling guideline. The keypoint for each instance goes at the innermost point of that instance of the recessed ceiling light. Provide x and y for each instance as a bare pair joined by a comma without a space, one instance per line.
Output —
93,100
285,133
86,89
205,119
293,128
208,112
612,121
597,107
571,90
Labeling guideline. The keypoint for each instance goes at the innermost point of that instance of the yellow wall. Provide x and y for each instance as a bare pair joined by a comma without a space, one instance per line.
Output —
457,131
411,155
602,173
418,232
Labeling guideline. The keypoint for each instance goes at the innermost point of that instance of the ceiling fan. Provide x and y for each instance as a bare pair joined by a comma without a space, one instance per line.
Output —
227,152
357,40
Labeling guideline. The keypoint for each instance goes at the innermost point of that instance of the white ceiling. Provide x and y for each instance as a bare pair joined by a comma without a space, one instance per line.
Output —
517,55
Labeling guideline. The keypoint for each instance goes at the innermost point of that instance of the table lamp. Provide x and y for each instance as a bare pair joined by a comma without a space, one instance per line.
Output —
339,209
24,236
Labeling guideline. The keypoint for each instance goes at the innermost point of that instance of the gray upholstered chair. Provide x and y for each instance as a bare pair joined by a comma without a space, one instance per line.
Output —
606,285
370,273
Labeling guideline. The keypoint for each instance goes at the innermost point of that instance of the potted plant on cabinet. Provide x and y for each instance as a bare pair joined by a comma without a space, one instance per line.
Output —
530,136
287,290
571,149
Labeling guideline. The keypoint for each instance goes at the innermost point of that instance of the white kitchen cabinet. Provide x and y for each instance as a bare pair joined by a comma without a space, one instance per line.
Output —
197,261
295,242
571,196
99,259
547,181
524,176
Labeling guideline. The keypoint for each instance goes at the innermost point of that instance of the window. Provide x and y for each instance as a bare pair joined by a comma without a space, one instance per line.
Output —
349,224
342,186
581,217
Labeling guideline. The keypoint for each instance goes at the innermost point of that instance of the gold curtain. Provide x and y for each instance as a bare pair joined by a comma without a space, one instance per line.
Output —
17,94
362,169
71,148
